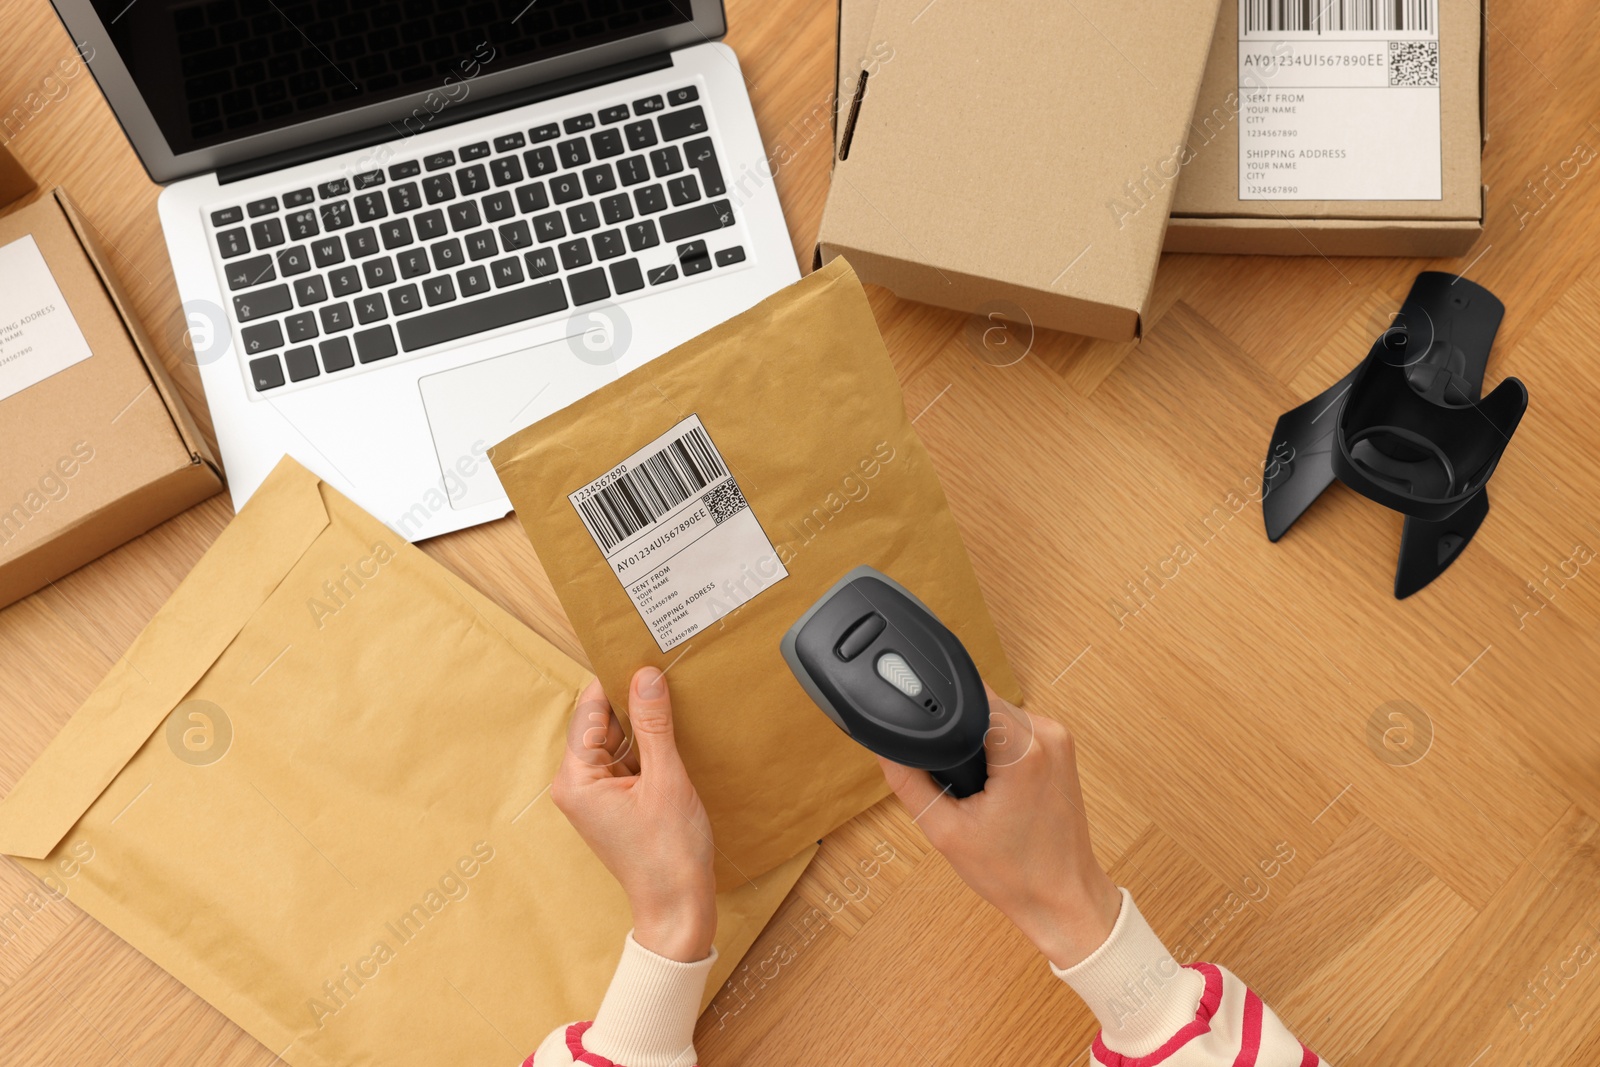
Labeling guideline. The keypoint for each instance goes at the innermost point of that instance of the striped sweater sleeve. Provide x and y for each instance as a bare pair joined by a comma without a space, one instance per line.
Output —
646,1019
1153,1011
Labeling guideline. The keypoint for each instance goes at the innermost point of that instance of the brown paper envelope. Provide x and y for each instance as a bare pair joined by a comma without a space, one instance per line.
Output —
315,790
801,401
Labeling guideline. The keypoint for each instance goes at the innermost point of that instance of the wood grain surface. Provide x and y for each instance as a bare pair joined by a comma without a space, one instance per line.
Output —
1433,903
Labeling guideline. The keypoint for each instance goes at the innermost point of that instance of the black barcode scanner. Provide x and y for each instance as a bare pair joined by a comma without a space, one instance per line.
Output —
894,678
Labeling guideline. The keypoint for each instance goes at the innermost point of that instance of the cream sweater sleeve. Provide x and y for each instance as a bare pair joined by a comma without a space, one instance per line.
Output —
646,1020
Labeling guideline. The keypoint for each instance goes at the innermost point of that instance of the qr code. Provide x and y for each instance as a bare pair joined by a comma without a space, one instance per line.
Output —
725,501
1414,63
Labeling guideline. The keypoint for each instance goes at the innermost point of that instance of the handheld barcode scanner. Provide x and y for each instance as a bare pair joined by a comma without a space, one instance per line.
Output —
894,678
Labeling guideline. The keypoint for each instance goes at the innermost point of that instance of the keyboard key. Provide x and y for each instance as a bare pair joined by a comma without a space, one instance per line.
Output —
575,254
702,158
515,236
548,132
413,263
438,188
292,261
302,363
693,258
650,199
509,142
375,344
395,233
257,208
676,125
541,262
532,198
362,242
608,245
683,96
301,326
472,180
614,114
409,169
607,143
549,227
464,216
539,161
498,206
439,160
505,272
378,272
666,160
573,153
616,209
482,245
507,170
684,190
729,256
588,286
370,179
266,373
335,318
578,123
303,225
446,254
226,216
404,299
404,197
299,198
474,281
335,352
329,190
632,170
262,337
267,233
599,179
312,290
430,224
647,105
641,135
336,216
565,188
642,235
438,290
262,302
663,275
625,276
478,151
370,308
464,320
344,281
256,270
696,220
582,217
328,251
369,206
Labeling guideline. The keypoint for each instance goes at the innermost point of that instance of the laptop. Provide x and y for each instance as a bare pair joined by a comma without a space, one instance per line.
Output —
404,229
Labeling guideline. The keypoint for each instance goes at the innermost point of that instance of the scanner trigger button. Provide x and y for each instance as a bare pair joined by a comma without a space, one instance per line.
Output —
859,636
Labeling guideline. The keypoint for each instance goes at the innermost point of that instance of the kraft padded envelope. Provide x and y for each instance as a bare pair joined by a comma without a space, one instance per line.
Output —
315,790
690,511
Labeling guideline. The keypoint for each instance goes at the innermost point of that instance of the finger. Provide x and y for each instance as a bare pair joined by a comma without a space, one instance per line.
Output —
916,789
1009,738
589,732
650,714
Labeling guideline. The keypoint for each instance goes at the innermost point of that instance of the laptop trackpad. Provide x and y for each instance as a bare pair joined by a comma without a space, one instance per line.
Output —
472,408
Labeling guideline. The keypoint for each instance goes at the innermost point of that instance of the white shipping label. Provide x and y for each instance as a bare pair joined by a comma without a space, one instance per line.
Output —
678,534
1339,100
38,335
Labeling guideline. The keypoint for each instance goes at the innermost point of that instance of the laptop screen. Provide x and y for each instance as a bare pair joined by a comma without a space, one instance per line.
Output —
213,71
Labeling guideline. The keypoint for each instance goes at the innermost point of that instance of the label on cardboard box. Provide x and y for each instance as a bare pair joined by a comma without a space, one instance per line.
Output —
38,335
1339,100
678,534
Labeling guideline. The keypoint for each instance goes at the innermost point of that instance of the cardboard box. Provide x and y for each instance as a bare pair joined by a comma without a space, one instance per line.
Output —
98,451
977,174
1307,105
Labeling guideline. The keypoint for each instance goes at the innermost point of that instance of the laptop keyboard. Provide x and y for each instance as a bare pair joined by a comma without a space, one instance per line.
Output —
356,270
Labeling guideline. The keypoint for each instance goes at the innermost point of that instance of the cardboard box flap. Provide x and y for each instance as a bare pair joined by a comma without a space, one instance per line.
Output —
162,665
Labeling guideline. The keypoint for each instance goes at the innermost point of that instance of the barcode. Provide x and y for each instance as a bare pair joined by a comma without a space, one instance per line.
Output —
652,488
1337,16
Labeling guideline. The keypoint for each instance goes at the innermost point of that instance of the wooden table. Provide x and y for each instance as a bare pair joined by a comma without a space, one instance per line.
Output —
1445,910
